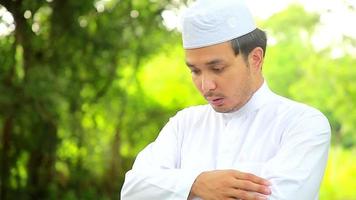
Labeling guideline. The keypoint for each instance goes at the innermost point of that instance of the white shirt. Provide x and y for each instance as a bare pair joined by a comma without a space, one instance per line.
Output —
272,137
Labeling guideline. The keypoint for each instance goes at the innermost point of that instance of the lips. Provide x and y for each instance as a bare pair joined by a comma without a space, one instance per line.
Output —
217,101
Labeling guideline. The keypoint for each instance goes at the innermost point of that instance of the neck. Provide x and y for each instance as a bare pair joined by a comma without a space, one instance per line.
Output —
257,83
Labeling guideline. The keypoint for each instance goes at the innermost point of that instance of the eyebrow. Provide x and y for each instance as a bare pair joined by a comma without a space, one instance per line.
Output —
214,62
210,63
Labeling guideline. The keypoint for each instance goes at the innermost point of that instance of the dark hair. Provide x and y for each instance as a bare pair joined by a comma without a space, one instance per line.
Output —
246,43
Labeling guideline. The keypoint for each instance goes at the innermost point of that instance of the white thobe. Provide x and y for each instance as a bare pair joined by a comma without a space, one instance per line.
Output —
272,137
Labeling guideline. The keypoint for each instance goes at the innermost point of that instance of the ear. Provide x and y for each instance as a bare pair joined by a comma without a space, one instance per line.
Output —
255,59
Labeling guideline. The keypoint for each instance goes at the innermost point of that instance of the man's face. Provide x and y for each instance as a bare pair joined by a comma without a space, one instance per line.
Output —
225,80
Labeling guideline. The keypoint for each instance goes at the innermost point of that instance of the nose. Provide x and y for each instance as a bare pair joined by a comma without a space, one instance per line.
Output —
207,84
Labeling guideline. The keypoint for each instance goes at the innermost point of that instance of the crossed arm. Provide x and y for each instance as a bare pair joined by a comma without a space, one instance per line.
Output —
185,184
294,173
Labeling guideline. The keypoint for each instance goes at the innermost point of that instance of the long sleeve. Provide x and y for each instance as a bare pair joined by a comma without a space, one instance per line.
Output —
155,173
283,142
296,171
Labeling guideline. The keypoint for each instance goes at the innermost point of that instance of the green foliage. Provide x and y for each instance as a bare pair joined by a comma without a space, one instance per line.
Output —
339,182
290,47
167,79
71,94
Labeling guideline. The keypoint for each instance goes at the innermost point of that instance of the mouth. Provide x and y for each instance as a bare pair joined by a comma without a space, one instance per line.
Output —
216,101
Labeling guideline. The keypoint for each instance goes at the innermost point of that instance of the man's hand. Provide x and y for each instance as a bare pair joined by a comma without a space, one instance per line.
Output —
229,184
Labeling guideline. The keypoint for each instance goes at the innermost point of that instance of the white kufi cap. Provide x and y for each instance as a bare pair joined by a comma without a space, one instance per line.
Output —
209,22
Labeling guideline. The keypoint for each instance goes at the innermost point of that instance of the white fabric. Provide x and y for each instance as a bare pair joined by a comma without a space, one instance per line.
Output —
209,22
273,137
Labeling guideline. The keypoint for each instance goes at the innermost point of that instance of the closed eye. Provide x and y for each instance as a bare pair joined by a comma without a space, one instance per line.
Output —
218,69
194,71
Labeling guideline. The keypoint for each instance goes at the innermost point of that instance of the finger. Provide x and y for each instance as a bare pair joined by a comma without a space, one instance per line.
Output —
252,187
251,177
247,195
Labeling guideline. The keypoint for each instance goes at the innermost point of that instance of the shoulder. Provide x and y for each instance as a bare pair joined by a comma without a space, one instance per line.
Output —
297,109
301,117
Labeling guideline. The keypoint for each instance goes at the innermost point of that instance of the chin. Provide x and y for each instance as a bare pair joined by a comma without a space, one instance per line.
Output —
223,109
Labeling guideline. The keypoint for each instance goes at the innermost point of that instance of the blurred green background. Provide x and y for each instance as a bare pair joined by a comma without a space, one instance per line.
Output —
85,85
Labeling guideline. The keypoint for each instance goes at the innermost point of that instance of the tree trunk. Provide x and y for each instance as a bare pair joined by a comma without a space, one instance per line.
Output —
5,158
42,161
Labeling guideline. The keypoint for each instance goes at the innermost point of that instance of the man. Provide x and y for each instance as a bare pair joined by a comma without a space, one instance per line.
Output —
248,143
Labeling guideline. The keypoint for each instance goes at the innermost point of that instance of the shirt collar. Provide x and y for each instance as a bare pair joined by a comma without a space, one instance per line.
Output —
257,100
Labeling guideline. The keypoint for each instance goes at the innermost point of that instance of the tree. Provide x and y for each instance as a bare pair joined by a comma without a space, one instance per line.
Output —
61,66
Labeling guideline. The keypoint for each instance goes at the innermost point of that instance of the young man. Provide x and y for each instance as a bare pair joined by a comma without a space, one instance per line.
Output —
248,143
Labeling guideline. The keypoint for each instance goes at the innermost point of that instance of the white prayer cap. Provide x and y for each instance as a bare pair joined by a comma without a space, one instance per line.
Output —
209,22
